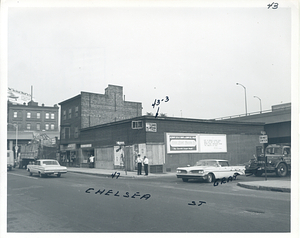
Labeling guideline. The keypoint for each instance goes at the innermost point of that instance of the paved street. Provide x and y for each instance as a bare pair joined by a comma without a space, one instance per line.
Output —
87,203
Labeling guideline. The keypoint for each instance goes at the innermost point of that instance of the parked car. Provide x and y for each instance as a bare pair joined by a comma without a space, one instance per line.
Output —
209,170
45,167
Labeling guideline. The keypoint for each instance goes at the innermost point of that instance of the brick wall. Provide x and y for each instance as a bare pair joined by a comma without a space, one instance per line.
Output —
109,107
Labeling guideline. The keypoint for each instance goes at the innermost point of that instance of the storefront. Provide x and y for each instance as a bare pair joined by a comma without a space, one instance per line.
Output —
69,155
85,152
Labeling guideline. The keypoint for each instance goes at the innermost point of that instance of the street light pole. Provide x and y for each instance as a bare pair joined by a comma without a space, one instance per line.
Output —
260,103
245,96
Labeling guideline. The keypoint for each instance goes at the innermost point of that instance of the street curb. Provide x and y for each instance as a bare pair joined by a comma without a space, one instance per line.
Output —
266,188
109,175
79,172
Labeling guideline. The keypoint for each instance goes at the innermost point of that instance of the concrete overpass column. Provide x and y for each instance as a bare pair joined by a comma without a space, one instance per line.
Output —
10,145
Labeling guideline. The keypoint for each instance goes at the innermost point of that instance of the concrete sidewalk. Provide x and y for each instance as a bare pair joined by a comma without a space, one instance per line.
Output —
109,172
269,185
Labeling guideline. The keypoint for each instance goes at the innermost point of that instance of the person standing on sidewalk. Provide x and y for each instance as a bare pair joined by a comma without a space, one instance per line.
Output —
146,162
139,164
91,159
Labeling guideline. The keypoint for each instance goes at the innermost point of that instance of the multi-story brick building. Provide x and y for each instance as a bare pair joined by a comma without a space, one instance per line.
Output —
25,119
91,109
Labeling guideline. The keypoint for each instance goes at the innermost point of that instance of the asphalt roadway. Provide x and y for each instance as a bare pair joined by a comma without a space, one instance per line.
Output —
80,202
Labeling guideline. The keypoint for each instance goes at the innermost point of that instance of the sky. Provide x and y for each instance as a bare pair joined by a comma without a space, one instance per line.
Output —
193,55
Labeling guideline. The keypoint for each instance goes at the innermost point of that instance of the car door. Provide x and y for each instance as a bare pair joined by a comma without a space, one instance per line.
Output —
225,169
37,166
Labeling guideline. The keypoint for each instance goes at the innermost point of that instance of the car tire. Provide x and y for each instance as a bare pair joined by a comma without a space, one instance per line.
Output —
58,175
210,178
185,179
41,175
30,174
281,170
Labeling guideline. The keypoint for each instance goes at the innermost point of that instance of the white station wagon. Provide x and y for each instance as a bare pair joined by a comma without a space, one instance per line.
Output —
44,167
209,170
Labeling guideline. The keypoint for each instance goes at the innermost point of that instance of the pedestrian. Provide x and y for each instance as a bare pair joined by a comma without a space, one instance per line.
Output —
139,163
91,160
146,162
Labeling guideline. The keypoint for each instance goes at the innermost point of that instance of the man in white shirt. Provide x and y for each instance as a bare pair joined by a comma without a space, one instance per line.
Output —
146,162
91,161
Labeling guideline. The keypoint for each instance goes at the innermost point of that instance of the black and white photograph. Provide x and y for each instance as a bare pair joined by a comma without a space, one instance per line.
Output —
147,118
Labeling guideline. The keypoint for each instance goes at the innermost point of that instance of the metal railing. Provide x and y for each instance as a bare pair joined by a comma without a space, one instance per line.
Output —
252,113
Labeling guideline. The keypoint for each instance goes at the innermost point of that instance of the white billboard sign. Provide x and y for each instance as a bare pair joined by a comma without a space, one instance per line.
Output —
182,143
213,143
195,143
18,97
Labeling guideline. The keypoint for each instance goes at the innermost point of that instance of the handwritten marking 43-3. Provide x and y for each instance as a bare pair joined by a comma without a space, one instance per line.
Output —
273,5
157,103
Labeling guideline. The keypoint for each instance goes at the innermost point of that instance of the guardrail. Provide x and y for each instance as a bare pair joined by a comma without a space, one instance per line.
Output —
252,113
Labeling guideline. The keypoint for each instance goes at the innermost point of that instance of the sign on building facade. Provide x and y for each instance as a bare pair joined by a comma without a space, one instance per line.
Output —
151,127
195,143
17,97
263,139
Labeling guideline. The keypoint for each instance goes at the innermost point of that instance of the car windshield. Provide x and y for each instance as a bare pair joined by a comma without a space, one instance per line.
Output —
50,162
273,150
206,163
223,163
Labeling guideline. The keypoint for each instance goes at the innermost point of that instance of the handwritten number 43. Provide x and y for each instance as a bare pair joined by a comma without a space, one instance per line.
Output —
273,5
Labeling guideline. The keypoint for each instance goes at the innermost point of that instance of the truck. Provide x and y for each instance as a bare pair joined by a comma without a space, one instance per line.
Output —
10,159
278,160
40,147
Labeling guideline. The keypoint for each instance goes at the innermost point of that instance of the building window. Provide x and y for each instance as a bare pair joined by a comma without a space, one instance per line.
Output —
47,115
65,115
63,134
67,132
76,111
76,132
136,124
28,114
52,116
38,115
28,126
15,114
52,126
46,127
38,127
70,113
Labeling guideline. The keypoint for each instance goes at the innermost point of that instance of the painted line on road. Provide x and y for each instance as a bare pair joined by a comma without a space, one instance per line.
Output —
22,176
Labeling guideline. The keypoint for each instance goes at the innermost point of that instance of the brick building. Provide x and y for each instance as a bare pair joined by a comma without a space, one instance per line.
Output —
25,119
87,110
170,142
